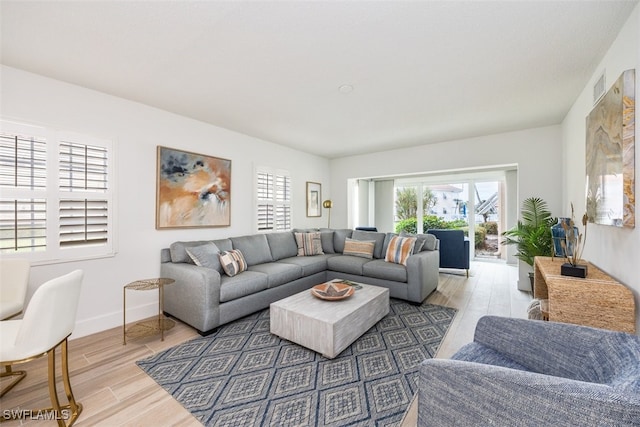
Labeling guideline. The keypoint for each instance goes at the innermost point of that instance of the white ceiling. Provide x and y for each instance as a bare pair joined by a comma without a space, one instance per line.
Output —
421,71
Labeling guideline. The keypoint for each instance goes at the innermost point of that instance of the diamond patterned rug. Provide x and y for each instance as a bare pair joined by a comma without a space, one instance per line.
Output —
242,375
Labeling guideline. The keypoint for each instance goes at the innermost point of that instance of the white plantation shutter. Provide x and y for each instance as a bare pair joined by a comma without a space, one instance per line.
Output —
265,190
23,162
23,174
23,225
83,167
55,194
283,202
83,220
273,207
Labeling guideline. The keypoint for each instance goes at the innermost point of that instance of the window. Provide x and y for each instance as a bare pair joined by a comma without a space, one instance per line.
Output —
273,200
56,195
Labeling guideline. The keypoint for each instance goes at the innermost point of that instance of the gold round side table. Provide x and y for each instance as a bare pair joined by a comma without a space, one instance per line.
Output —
146,327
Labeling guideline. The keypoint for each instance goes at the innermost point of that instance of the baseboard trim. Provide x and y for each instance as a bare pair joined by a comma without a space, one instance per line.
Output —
112,320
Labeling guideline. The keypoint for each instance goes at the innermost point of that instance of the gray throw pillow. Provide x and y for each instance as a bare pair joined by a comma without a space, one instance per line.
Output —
179,252
206,256
426,242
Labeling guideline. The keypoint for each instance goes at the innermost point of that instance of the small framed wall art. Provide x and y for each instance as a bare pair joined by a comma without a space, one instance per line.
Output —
314,199
192,190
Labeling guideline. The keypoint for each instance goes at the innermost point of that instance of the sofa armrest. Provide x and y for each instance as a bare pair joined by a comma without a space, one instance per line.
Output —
194,298
458,393
422,274
560,349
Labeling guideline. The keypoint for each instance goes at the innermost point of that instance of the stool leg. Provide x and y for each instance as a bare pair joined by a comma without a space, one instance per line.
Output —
76,408
8,372
73,409
53,393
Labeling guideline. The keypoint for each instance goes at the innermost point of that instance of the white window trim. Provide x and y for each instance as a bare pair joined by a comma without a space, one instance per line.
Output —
54,254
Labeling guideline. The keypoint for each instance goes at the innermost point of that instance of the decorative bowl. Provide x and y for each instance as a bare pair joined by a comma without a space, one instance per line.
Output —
332,291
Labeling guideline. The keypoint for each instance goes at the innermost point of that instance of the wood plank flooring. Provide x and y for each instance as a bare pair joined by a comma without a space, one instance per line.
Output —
115,392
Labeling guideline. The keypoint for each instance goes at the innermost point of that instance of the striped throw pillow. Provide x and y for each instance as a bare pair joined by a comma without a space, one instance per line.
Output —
232,262
399,249
361,248
308,244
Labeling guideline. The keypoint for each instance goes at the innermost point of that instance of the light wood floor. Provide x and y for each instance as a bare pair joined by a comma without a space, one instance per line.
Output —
115,392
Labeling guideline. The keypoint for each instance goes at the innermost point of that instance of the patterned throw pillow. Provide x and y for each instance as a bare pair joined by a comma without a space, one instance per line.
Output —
309,244
400,248
361,248
232,262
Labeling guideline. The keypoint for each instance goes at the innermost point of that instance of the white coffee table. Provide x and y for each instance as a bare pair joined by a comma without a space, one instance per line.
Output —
328,327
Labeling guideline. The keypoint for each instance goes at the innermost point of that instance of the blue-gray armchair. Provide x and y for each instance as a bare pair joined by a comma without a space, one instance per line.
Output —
454,248
520,372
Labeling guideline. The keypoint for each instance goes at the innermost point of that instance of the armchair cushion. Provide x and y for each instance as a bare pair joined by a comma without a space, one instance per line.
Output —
529,373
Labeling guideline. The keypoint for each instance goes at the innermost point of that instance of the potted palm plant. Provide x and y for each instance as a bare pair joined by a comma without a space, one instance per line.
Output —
532,234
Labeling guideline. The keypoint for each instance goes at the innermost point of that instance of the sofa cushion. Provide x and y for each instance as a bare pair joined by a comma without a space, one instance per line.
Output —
309,264
232,262
282,245
378,238
381,269
309,243
360,248
399,249
339,237
179,250
223,244
347,264
326,237
255,248
206,256
243,284
278,273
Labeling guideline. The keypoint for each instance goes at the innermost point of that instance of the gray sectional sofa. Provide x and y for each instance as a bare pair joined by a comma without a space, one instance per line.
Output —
205,297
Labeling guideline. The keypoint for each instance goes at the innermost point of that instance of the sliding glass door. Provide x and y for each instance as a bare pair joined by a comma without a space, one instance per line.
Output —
471,205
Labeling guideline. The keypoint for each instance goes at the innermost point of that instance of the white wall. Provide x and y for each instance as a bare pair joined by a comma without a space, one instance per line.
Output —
383,206
137,130
615,250
536,152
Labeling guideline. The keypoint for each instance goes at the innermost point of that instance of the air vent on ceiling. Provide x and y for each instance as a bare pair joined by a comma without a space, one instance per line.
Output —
599,88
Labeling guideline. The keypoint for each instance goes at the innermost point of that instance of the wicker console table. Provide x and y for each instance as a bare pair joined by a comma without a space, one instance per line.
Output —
597,300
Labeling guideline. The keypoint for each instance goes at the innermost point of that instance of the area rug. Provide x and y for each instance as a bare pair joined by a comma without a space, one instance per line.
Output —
242,375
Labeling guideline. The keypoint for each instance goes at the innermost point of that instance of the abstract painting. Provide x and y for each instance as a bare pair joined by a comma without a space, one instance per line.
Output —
610,156
193,190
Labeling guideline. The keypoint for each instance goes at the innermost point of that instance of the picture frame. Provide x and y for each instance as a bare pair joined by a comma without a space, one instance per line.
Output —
192,190
314,199
610,156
